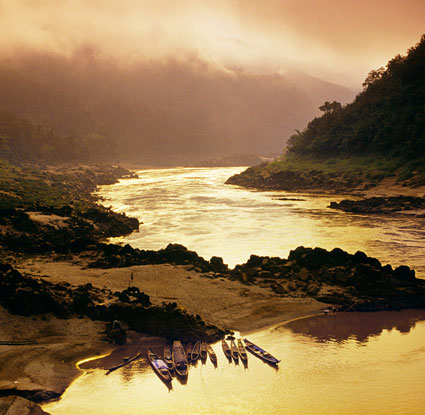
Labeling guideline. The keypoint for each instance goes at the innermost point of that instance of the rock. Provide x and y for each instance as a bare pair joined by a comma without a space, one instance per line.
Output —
304,274
278,289
404,273
21,406
217,264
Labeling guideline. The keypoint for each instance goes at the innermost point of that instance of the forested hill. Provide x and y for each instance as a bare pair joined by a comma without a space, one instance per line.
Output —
88,106
380,134
386,118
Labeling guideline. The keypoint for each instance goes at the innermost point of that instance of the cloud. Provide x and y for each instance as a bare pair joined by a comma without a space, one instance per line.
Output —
337,40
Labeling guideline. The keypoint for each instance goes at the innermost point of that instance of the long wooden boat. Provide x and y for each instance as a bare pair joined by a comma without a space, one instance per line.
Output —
203,352
234,350
260,353
242,351
159,366
226,349
195,351
168,357
124,362
212,354
179,358
189,348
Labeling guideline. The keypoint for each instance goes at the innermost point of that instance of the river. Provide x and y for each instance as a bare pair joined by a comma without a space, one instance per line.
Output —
347,363
193,207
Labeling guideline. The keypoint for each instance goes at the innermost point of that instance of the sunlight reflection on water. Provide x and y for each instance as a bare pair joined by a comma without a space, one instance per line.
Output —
193,207
348,363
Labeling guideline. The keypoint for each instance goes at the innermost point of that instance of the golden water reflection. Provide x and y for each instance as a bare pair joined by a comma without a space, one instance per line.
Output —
377,367
193,207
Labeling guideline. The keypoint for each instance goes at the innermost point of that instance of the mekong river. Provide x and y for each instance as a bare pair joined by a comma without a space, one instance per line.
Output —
349,363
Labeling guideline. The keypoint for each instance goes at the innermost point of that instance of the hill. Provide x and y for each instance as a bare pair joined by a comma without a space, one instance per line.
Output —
380,134
87,106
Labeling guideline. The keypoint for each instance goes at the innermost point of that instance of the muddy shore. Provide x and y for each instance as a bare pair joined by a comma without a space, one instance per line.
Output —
35,373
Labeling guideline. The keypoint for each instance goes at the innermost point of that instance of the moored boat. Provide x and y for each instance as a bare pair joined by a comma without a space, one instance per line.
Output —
159,366
226,349
260,353
179,358
211,353
195,351
189,348
242,351
124,362
203,351
234,350
168,357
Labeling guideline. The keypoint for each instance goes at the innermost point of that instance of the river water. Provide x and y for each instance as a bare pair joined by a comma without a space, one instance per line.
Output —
347,363
193,207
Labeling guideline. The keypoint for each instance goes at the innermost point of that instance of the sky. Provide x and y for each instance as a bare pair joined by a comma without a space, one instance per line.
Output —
336,40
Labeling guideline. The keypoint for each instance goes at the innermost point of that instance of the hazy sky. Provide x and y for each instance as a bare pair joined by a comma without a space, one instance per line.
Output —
337,40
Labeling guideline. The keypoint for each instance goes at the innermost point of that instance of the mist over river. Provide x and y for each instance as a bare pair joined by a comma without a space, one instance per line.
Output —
193,207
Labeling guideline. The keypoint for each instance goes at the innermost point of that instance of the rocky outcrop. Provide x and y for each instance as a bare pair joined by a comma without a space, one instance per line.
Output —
28,296
111,256
380,204
260,177
353,282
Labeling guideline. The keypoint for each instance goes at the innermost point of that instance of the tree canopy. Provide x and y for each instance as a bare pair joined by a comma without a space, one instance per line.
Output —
386,118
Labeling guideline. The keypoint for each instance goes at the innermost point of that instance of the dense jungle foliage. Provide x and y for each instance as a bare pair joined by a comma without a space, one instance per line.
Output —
386,119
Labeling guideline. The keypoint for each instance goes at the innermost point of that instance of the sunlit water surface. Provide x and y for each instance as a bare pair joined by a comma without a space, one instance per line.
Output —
193,207
348,363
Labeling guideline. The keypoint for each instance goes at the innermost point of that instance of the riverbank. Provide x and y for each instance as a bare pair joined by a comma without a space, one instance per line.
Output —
43,371
350,175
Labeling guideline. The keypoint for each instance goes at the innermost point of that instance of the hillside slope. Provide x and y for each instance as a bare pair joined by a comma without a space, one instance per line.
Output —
380,134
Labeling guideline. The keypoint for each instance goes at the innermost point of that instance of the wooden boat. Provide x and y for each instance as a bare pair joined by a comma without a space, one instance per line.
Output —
260,353
195,351
242,351
203,352
234,350
159,366
212,354
179,358
226,349
168,357
124,362
189,348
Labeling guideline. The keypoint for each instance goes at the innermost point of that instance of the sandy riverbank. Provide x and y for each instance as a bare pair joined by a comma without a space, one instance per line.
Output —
227,304
50,364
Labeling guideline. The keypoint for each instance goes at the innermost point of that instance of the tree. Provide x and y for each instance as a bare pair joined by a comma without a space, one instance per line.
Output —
329,107
373,76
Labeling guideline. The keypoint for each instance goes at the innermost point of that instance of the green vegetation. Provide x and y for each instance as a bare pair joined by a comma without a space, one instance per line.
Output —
386,119
381,134
21,140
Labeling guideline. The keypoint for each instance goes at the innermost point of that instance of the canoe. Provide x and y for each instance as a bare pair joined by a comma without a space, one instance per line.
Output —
168,357
212,354
124,362
189,348
242,351
226,349
195,351
179,358
260,353
159,366
234,350
203,351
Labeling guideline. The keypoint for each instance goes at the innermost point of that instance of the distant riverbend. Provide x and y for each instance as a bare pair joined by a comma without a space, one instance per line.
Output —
194,207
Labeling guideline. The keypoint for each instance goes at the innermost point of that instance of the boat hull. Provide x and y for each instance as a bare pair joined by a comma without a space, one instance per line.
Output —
260,353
